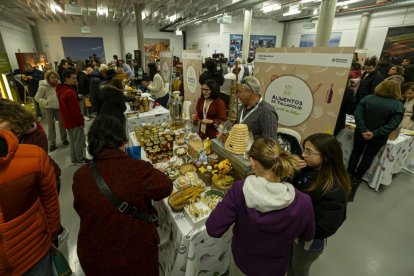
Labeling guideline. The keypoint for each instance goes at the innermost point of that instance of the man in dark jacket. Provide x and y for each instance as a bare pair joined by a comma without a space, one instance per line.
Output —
84,84
369,80
96,79
408,65
32,77
384,65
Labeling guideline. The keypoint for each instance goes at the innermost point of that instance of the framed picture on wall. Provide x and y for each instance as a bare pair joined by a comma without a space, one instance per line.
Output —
308,40
81,48
399,44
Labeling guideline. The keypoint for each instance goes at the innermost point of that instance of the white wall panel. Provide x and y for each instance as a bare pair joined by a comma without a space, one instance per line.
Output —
16,38
131,41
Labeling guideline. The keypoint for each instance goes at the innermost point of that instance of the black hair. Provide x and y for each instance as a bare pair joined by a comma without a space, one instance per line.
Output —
214,87
152,70
370,62
68,73
210,65
106,132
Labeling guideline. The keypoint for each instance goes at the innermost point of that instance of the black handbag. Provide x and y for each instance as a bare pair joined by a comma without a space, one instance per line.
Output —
121,205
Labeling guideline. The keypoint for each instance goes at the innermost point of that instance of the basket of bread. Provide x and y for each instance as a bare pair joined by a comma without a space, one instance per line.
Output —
179,199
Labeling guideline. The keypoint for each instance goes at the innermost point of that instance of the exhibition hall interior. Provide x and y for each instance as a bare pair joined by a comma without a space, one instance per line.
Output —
206,137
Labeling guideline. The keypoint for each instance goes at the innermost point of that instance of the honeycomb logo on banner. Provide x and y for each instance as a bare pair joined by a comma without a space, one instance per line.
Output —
165,71
191,79
292,99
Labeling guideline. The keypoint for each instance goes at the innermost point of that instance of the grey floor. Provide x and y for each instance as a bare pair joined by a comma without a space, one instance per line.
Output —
375,240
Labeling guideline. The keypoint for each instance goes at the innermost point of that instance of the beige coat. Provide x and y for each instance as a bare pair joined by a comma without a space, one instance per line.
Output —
157,87
46,95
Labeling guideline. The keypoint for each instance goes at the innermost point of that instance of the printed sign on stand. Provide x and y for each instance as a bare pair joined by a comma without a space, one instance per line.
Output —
305,86
192,63
166,59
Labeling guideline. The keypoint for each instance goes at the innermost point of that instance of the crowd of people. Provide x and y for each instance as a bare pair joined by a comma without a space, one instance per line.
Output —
291,204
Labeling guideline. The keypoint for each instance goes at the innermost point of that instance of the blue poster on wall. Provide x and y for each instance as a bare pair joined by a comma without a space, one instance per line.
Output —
236,45
81,48
256,41
308,40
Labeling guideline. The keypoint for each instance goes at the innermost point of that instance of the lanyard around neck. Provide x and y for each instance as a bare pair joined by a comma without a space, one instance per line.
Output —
242,119
205,110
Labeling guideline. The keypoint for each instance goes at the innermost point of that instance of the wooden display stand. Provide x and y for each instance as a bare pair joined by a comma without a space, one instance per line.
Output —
242,167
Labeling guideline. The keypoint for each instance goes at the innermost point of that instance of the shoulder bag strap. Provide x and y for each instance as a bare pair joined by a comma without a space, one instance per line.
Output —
121,205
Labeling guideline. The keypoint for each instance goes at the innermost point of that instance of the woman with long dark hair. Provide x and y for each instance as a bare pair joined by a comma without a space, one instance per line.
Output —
211,110
111,242
157,86
324,178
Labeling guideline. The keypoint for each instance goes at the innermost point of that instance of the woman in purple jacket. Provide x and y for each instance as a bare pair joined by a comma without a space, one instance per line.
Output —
268,214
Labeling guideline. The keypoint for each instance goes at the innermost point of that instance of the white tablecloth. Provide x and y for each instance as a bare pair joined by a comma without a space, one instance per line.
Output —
391,159
189,251
157,115
185,250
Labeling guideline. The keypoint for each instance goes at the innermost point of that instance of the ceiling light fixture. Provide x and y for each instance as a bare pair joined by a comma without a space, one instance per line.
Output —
173,17
55,8
271,8
102,11
293,10
346,3
178,32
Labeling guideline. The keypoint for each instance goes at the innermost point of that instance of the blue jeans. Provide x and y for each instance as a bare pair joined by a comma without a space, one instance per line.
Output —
43,268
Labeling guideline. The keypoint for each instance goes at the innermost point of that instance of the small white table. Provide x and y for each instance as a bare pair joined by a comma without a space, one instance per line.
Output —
391,159
158,115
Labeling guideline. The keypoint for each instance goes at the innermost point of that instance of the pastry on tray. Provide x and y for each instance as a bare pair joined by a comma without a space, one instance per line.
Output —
185,168
180,151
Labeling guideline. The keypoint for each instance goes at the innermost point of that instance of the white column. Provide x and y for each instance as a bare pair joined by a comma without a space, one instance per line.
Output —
362,30
325,22
285,36
246,32
122,40
140,32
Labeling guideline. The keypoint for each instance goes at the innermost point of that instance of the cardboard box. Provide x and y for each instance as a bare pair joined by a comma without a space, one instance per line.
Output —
194,148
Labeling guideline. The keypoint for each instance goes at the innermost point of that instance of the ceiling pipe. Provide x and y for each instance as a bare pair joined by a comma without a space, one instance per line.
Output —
229,8
378,6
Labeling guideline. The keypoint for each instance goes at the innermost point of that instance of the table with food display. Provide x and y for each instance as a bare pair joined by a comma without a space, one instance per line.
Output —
144,110
396,155
200,178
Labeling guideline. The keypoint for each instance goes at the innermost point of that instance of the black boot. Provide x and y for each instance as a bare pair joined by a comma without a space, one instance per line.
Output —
354,186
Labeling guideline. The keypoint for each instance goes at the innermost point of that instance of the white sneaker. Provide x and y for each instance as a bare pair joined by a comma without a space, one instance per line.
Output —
63,237
86,118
